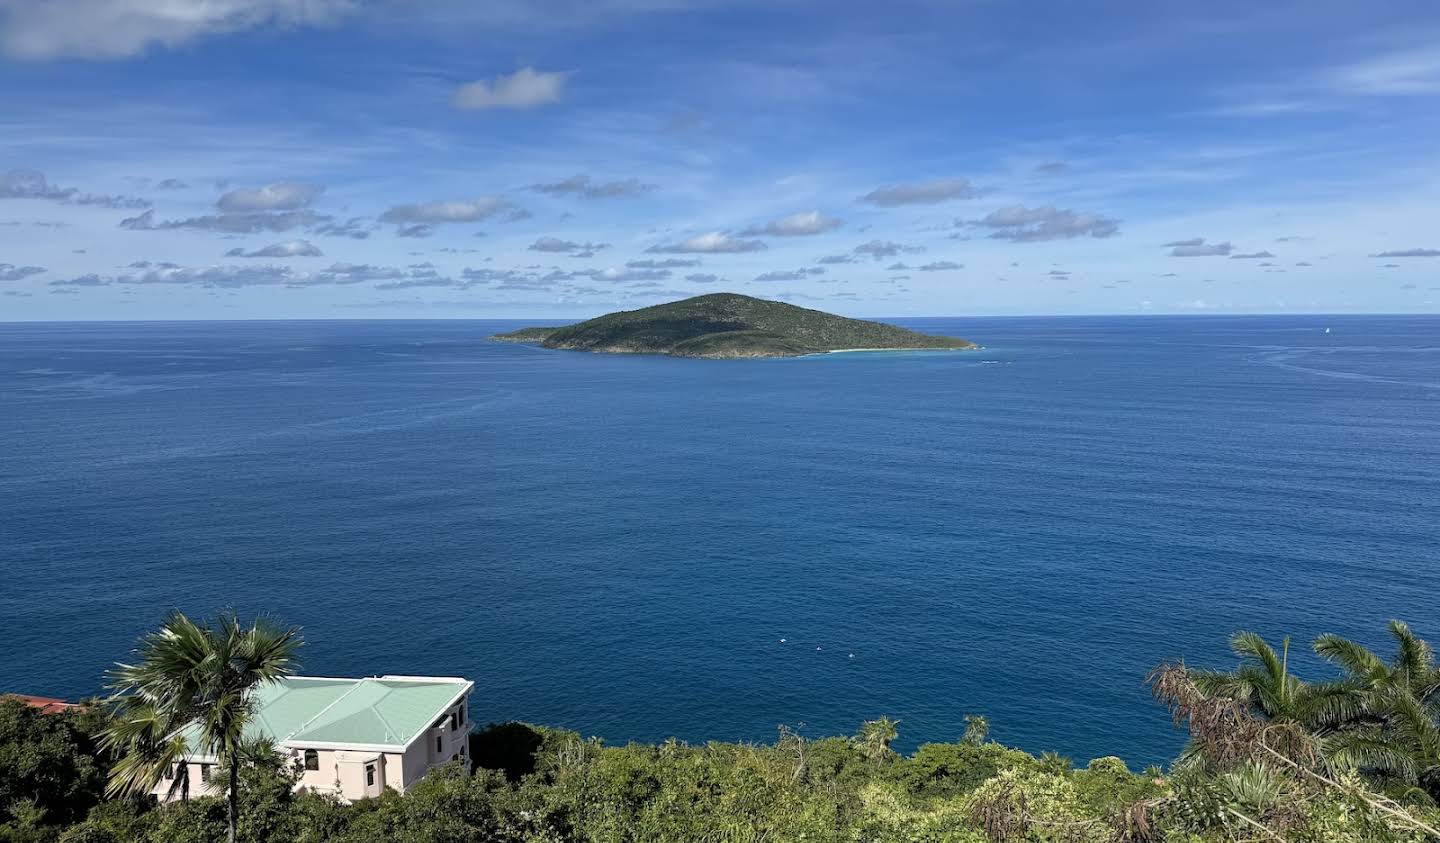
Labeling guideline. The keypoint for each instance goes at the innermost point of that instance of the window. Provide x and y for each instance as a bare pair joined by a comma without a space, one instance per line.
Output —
439,745
369,775
205,772
462,714
312,759
454,720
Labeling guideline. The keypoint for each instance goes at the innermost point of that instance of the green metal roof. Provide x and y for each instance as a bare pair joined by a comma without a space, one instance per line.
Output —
281,708
385,710
380,711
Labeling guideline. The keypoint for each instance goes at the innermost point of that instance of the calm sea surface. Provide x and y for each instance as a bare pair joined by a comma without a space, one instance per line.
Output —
641,547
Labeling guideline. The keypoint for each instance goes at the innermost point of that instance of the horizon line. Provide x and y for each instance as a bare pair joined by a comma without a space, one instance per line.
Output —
1126,315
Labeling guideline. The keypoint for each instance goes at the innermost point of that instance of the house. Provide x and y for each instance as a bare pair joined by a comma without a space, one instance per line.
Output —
354,737
47,705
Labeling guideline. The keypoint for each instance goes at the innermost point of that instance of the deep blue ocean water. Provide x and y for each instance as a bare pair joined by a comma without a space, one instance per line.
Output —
620,544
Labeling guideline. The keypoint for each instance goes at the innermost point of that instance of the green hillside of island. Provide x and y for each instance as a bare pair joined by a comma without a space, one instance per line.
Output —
729,325
1270,757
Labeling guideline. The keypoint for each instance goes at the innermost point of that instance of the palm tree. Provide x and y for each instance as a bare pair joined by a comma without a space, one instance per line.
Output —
977,729
875,737
1412,668
189,692
1391,723
1265,687
1402,743
1262,681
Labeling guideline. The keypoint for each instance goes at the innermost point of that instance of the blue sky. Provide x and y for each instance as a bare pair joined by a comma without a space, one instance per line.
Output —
341,158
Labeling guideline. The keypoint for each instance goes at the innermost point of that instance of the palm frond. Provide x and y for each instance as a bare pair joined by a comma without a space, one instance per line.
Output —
1353,658
1250,645
1370,751
1333,705
1414,659
1217,683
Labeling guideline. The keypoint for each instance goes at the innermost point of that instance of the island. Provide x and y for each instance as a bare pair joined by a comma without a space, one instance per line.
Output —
730,325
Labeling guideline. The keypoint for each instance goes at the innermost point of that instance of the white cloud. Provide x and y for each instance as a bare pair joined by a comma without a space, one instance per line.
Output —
1197,247
226,277
616,274
568,247
111,29
791,275
663,263
796,225
921,193
280,196
237,223
525,88
11,272
356,228
716,242
1408,253
583,187
469,210
286,249
879,249
235,277
32,184
1029,225
1396,74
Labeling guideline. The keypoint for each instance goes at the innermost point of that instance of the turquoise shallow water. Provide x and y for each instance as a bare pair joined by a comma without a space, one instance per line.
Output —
619,544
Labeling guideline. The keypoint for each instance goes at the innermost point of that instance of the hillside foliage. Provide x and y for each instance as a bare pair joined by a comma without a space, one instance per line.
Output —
1270,757
728,325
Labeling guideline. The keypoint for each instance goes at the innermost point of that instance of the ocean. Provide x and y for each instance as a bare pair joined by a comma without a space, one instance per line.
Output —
644,547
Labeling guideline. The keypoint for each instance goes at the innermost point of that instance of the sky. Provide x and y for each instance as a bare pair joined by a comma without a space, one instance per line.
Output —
264,159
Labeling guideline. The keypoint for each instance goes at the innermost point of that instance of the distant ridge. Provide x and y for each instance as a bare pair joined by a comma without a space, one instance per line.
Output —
729,325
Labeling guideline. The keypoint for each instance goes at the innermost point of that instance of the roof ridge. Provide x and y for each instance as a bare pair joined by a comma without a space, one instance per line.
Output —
375,709
348,691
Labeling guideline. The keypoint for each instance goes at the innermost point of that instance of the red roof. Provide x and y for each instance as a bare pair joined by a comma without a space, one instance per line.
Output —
47,705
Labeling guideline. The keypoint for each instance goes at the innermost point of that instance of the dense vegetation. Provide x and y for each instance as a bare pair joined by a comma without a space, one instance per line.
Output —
1271,757
728,325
